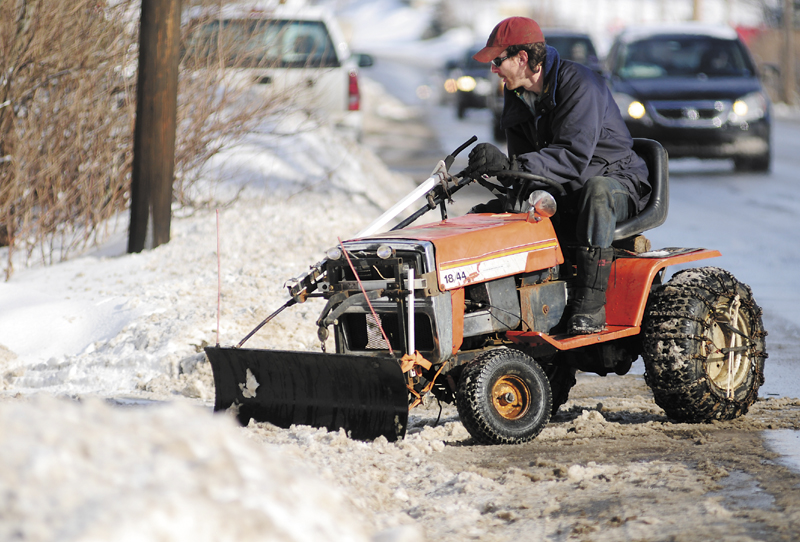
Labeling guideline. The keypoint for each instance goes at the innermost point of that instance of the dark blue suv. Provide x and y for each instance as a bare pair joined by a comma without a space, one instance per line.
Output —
695,89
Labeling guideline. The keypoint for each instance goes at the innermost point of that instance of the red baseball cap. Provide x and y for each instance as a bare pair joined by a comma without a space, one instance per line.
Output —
511,31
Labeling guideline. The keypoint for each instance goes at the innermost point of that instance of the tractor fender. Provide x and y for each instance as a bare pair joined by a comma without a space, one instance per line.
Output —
632,279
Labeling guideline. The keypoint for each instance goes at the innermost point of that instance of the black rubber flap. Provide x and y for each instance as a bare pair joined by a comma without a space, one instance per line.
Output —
366,396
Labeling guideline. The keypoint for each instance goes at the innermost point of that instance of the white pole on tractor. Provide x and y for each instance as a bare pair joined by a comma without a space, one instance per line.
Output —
410,306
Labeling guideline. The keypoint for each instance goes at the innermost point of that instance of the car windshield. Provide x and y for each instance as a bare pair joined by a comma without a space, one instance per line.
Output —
677,56
264,43
576,48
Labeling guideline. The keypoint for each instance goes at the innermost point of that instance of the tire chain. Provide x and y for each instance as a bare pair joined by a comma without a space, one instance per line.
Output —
685,395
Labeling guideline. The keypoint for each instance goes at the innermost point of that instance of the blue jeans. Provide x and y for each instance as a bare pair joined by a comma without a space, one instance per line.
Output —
602,203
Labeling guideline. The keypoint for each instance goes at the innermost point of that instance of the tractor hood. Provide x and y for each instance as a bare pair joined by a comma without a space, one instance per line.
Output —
479,247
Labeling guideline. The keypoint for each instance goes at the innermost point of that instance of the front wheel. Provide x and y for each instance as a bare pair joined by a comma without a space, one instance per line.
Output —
704,347
503,397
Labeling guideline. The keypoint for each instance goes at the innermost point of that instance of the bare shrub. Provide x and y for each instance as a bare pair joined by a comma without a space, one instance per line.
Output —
67,110
65,154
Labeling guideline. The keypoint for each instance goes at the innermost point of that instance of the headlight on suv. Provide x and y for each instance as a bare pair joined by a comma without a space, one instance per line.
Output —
636,109
630,107
465,83
750,107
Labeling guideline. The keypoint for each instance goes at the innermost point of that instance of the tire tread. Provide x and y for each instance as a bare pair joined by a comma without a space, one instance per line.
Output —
473,401
678,314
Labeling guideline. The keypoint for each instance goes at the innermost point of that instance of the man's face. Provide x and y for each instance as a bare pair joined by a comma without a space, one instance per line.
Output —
511,69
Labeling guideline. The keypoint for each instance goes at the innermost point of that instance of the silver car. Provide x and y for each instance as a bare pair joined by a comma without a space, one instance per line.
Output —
288,53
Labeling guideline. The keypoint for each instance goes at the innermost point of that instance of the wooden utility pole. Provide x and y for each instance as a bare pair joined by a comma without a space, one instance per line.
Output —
697,8
787,68
154,132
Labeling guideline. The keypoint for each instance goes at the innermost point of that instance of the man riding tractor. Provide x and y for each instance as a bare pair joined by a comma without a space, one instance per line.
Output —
561,122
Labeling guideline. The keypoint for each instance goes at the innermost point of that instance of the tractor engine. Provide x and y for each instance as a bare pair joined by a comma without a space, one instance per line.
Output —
382,282
368,310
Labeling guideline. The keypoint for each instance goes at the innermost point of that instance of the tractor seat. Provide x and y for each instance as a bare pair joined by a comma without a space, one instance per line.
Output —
655,212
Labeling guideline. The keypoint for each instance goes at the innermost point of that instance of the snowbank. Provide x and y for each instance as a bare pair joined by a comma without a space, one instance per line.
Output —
130,328
92,472
133,323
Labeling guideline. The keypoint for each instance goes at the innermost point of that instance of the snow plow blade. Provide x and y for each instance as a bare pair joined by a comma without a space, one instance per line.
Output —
366,396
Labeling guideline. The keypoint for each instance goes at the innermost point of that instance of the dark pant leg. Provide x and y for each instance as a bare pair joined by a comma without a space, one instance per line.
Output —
603,202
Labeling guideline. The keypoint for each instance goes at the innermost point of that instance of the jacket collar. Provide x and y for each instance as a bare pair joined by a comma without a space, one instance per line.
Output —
551,63
515,111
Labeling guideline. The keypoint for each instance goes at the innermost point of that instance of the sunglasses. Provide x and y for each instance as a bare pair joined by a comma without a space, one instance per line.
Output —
499,60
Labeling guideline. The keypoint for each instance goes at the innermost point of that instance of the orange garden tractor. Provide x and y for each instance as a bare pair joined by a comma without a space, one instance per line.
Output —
472,309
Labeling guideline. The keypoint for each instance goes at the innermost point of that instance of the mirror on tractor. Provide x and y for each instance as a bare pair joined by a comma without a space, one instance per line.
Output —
543,205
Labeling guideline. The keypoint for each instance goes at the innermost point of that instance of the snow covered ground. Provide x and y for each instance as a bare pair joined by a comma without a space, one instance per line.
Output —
131,328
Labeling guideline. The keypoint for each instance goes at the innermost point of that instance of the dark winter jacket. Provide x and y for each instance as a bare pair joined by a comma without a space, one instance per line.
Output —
577,132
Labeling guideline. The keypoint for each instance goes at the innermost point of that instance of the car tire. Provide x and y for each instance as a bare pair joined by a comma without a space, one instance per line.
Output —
704,347
753,164
503,397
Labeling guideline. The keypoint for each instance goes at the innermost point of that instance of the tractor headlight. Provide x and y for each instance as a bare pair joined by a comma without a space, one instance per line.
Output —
334,253
630,107
385,251
750,107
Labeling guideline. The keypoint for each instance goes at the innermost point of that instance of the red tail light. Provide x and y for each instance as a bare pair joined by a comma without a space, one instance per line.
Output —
354,96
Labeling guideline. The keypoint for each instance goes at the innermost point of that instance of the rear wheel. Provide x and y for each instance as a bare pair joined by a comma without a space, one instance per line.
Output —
704,347
503,397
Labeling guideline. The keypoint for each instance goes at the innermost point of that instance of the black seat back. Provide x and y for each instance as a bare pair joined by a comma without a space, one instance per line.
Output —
655,212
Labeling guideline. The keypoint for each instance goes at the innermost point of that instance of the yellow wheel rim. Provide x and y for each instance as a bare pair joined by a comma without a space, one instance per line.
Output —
727,360
511,397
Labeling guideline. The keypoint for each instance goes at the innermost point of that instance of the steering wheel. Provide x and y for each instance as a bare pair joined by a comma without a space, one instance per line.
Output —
555,185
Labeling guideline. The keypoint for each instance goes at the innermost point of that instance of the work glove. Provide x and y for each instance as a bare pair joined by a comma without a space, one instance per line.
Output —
485,158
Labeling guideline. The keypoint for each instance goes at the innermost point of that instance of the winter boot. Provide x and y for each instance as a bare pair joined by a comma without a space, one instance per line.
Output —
589,309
